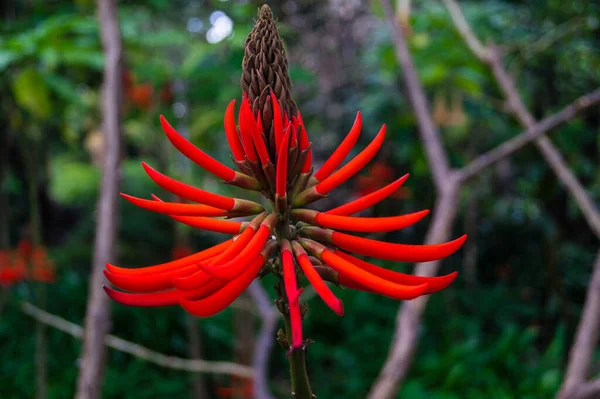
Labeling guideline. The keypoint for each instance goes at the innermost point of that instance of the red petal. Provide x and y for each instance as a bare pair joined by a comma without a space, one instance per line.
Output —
149,282
369,200
218,301
246,121
174,208
189,192
307,162
155,299
304,143
292,293
396,252
315,279
282,165
237,265
277,122
232,134
195,154
353,166
369,225
434,283
377,284
341,152
173,265
217,225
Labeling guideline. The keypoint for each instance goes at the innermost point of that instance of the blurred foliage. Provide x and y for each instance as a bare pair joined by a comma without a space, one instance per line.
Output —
503,334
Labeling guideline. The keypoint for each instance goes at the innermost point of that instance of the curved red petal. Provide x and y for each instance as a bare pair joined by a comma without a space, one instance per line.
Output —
342,151
396,252
434,283
282,165
174,208
377,284
195,154
232,134
189,192
217,225
246,121
369,225
155,299
173,265
218,301
317,282
353,166
149,282
368,200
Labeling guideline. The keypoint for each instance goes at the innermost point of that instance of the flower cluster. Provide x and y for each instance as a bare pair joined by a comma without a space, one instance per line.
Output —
288,239
26,263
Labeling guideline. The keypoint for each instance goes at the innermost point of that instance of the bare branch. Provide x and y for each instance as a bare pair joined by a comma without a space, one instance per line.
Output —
264,341
465,31
589,390
586,339
97,319
408,320
436,155
139,351
574,386
518,109
537,130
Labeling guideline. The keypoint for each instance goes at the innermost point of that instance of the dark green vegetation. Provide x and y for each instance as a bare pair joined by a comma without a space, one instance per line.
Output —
503,330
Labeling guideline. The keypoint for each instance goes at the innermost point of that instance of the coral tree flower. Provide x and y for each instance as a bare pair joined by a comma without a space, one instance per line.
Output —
26,262
273,155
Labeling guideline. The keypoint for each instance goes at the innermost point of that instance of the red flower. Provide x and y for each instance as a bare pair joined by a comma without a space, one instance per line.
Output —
287,240
12,268
26,262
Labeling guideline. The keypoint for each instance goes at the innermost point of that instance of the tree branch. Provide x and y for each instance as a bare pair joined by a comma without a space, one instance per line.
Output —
574,386
408,319
493,57
264,341
97,319
534,132
586,339
589,390
139,351
436,155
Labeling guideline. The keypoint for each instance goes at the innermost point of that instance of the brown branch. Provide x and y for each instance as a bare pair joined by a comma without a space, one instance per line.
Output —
574,385
436,155
408,319
589,390
264,341
534,132
448,184
586,339
97,318
493,57
139,351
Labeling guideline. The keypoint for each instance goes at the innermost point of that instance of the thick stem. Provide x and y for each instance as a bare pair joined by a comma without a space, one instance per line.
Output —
299,376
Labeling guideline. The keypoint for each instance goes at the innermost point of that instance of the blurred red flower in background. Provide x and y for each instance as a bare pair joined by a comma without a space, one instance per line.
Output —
26,263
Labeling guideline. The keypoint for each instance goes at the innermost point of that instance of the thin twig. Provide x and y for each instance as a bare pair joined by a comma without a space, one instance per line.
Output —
465,31
139,351
493,57
536,131
436,155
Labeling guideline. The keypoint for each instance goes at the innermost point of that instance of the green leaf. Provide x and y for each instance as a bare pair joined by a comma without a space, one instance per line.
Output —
7,58
31,92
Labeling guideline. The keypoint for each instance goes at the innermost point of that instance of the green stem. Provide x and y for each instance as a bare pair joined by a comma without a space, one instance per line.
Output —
297,358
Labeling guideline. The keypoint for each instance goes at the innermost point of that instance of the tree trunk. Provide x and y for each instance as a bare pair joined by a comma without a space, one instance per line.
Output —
98,310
